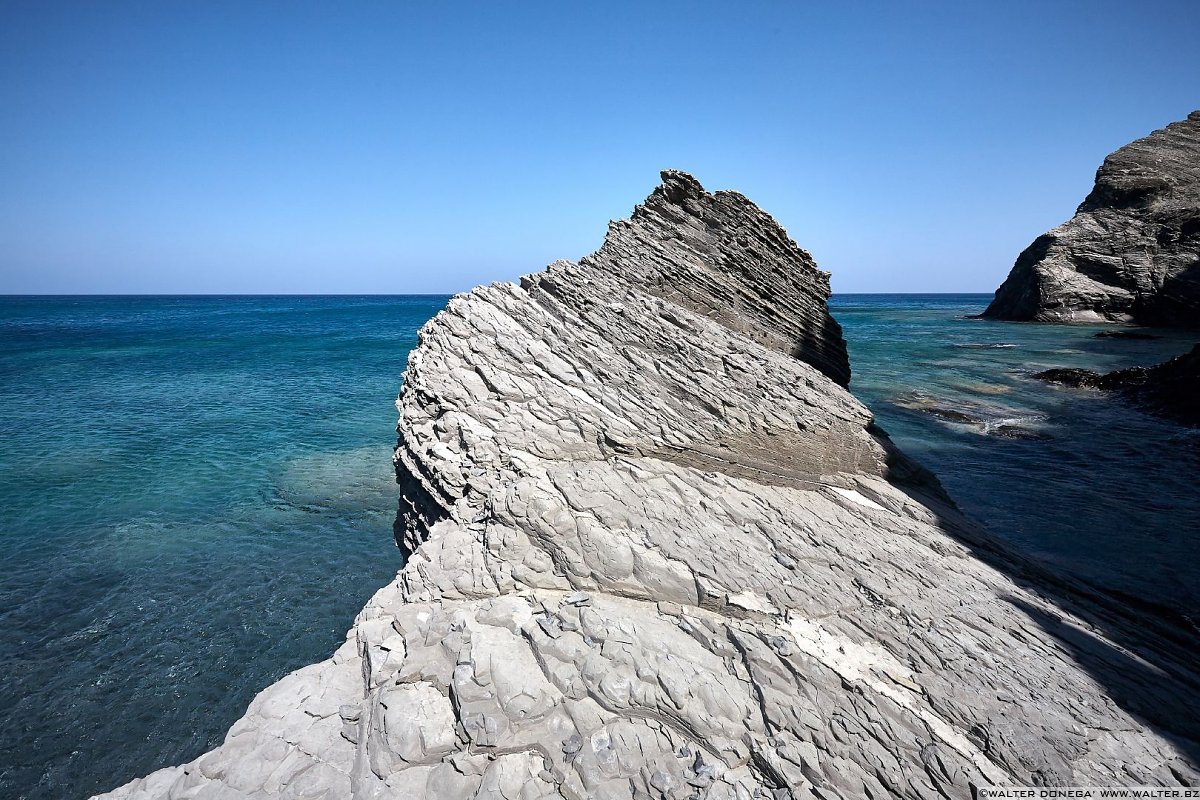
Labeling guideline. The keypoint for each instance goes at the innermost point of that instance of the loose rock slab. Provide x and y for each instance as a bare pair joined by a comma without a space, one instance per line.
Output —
658,551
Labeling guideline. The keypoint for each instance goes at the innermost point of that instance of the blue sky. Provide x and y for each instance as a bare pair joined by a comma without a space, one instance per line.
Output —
426,147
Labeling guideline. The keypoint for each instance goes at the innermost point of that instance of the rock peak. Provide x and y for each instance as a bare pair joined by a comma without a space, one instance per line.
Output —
678,186
657,550
719,255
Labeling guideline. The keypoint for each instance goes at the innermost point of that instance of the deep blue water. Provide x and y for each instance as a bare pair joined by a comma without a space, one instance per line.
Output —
197,493
1110,494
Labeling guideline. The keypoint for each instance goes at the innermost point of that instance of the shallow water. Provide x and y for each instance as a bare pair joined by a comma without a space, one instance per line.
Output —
197,499
198,494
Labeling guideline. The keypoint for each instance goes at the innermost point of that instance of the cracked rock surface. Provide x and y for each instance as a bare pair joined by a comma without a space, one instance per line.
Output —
1131,253
658,551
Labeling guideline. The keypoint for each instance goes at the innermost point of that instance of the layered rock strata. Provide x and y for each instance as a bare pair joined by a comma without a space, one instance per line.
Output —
658,551
1131,253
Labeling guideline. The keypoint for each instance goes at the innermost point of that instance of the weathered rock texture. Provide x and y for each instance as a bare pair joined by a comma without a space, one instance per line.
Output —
1131,253
659,552
1170,389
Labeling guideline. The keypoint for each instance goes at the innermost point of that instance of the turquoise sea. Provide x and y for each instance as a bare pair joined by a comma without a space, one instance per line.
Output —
197,493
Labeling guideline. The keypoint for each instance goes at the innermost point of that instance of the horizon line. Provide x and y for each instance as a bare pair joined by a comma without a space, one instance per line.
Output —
357,294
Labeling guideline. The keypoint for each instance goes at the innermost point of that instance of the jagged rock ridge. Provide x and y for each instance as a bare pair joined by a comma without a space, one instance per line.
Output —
727,260
1131,253
656,555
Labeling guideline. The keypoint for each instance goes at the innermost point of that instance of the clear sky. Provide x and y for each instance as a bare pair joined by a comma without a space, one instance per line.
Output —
428,146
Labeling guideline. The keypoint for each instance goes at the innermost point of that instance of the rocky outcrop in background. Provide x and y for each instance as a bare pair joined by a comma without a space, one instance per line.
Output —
1131,253
659,551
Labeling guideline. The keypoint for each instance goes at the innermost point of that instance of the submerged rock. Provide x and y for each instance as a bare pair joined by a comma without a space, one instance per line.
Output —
659,551
982,418
1170,389
1135,335
1131,253
1070,376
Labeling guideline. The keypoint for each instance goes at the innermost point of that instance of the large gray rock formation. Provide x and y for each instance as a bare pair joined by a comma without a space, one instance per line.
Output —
658,551
1131,253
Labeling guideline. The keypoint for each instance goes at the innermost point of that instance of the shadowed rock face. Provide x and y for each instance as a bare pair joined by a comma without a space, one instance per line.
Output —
658,551
1131,253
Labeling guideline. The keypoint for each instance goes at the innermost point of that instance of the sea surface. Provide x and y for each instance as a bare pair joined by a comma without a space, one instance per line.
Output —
197,498
197,493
